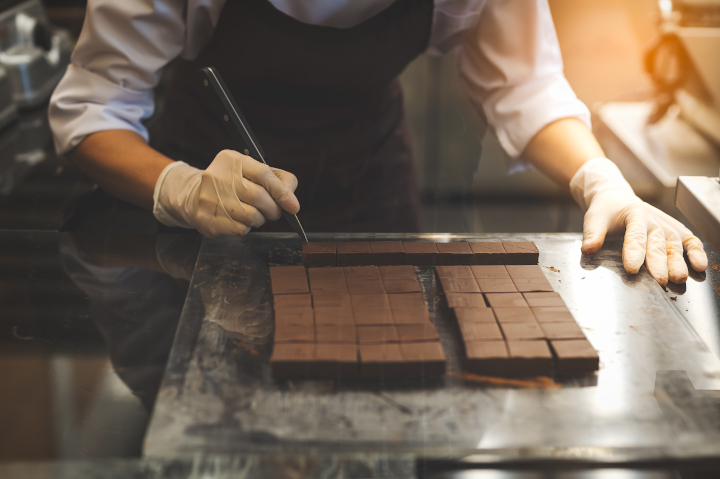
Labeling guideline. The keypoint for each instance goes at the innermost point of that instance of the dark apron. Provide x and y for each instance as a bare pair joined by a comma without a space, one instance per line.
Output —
325,104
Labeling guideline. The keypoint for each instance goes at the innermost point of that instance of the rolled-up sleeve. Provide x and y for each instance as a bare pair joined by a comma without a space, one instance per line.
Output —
513,70
115,65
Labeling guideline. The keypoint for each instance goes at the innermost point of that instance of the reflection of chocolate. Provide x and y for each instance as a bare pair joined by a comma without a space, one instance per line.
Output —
488,253
420,253
521,253
387,252
353,254
319,254
575,356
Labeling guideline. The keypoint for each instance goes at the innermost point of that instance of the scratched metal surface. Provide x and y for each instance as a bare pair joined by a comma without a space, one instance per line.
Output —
217,395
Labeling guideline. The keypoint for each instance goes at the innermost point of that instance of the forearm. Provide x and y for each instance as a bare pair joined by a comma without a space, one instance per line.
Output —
122,163
561,148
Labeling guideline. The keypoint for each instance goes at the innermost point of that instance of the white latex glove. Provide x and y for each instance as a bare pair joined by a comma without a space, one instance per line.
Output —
234,194
650,235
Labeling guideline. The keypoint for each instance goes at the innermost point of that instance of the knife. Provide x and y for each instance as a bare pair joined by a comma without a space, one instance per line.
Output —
239,129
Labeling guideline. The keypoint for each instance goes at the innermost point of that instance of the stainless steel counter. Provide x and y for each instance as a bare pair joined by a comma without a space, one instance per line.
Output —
217,395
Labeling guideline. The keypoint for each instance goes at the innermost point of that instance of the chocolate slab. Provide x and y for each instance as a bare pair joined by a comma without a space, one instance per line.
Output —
489,272
292,301
521,253
524,271
335,361
575,356
563,331
288,272
399,279
371,310
555,314
480,331
365,286
410,315
493,279
325,300
488,358
459,285
331,274
465,300
530,358
454,253
303,316
291,361
532,284
423,359
514,315
353,253
506,300
376,334
474,315
401,286
289,286
387,252
294,333
381,361
327,333
522,331
334,316
416,332
488,253
541,300
399,302
454,272
397,272
362,272
328,286
421,253
319,254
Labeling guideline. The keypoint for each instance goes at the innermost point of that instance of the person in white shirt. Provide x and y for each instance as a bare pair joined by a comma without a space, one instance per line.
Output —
317,80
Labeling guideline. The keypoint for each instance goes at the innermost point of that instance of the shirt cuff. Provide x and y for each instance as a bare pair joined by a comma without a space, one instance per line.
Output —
84,103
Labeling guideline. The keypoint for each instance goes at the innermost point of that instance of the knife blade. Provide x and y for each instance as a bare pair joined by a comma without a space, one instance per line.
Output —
239,128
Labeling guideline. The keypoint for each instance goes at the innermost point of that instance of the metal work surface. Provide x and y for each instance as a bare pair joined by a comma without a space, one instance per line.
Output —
698,198
217,394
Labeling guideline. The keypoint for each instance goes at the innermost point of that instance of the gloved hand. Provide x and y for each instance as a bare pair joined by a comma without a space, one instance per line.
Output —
650,235
234,194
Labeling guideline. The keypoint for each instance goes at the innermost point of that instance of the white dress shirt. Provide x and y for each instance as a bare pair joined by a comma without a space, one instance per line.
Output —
509,59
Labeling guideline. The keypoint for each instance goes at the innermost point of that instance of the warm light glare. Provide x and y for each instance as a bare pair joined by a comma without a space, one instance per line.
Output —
665,8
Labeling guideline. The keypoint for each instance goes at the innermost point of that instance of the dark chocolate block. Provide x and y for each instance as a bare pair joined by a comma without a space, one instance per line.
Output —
454,253
334,316
411,316
575,356
398,302
423,359
488,253
530,358
365,286
380,361
329,274
506,300
290,286
529,278
335,361
292,301
291,361
514,315
493,279
326,333
294,333
486,357
362,272
327,286
522,331
398,272
532,284
474,315
353,254
325,300
454,272
541,300
376,334
288,272
399,279
371,310
401,286
480,331
420,253
319,254
465,300
563,331
459,285
387,252
300,316
521,253
556,314
416,332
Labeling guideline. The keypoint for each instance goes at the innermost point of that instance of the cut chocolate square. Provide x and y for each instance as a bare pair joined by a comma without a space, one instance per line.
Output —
294,333
486,357
353,253
454,253
288,273
362,272
291,360
319,254
465,300
575,356
454,272
506,300
397,272
459,285
335,361
387,252
480,331
334,316
292,301
474,315
521,253
411,316
493,279
401,286
399,302
489,272
416,332
325,300
423,359
541,300
371,310
488,253
532,284
327,333
420,253
365,286
556,314
380,361
563,331
299,316
327,286
376,334
514,315
522,331
530,358
289,286
323,274
524,271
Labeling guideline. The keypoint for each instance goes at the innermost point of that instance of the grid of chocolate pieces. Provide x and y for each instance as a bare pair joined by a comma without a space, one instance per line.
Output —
513,323
418,253
349,322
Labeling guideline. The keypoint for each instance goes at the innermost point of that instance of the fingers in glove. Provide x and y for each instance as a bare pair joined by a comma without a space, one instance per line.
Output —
634,244
677,269
213,226
656,257
696,253
594,231
262,175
